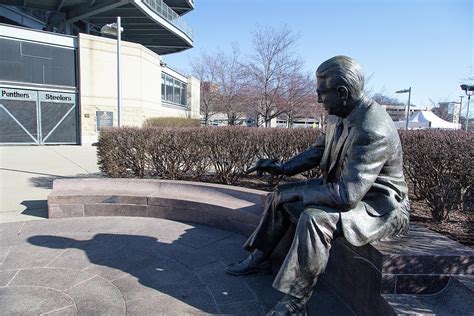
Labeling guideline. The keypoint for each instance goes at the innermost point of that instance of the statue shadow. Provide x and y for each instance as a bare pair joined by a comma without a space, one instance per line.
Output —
37,208
161,267
45,181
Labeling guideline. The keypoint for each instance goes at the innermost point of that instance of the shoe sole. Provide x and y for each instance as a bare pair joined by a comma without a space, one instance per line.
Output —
255,271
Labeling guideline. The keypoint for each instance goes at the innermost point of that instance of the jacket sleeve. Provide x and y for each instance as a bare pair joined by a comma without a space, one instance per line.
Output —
361,166
307,159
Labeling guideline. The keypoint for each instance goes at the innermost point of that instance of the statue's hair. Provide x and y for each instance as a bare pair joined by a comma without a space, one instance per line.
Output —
342,70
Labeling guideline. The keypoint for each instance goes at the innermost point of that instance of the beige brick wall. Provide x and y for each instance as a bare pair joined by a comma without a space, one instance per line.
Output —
194,97
141,85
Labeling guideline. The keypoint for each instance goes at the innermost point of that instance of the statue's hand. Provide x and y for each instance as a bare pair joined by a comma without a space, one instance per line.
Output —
270,166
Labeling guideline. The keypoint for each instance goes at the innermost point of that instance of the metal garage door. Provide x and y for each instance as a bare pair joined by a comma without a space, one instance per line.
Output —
38,117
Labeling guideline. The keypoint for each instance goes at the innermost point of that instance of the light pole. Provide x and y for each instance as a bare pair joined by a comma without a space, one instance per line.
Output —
112,29
460,109
408,109
468,90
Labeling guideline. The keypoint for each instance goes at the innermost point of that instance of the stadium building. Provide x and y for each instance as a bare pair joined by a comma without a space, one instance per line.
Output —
58,72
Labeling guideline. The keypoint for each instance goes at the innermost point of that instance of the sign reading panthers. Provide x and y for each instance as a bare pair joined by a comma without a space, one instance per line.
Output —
38,117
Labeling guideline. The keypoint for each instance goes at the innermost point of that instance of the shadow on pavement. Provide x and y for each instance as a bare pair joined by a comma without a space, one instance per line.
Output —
46,182
38,208
144,258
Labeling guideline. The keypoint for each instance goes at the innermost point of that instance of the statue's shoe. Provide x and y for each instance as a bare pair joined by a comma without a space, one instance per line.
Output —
248,266
289,305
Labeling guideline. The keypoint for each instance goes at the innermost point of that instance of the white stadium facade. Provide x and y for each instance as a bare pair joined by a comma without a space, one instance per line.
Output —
58,73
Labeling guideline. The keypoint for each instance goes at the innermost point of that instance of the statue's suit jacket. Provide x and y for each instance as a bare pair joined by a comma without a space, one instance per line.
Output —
362,174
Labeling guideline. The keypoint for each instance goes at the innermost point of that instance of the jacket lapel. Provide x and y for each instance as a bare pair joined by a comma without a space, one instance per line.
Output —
331,129
340,143
356,114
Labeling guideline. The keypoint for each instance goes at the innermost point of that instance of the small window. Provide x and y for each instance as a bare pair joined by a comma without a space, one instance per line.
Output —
184,95
163,87
173,90
176,91
169,89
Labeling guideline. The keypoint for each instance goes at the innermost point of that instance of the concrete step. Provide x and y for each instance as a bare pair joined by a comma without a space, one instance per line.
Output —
457,298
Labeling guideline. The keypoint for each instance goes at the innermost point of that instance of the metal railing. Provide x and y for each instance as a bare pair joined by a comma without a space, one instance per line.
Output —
159,7
40,15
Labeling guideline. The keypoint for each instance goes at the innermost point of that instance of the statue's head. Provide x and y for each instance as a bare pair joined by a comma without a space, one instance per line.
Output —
340,83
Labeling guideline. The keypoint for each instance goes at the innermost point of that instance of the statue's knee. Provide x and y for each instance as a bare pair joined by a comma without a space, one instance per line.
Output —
314,215
305,217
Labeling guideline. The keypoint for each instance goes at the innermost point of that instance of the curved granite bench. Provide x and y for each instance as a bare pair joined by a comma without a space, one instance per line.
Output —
422,272
226,207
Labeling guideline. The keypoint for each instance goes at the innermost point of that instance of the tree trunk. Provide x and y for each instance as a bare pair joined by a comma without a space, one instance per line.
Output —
290,121
230,118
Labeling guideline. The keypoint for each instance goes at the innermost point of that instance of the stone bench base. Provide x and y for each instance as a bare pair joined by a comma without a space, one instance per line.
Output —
421,264
384,278
230,208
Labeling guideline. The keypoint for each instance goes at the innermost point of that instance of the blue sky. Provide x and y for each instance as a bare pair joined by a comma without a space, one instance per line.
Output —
425,44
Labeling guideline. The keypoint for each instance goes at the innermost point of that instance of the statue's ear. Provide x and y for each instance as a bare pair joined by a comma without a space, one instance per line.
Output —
343,93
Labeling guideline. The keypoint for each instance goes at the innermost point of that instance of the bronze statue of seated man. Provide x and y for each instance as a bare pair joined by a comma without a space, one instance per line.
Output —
362,195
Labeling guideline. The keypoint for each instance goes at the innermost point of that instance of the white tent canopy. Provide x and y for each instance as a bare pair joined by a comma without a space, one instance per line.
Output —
432,120
426,119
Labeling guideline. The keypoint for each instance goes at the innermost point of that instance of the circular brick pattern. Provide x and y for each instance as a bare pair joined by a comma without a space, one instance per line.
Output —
118,266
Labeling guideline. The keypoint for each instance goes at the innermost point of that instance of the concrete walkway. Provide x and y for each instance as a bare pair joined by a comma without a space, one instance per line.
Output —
131,266
27,174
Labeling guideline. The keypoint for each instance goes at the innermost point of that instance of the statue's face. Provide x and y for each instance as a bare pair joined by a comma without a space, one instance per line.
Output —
330,98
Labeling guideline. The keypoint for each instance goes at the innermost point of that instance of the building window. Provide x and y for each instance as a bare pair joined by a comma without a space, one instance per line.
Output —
173,90
22,61
177,87
163,86
184,94
169,89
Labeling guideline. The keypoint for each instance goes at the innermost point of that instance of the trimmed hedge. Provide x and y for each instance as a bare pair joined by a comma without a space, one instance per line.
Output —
171,122
191,153
438,164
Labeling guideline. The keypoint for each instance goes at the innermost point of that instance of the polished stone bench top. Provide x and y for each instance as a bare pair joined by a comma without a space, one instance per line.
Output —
226,207
232,197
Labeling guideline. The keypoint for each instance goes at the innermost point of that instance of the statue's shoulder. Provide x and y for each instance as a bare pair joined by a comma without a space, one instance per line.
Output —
377,123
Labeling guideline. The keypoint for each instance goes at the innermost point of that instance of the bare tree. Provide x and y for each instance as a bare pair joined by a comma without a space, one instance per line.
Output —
298,95
222,82
204,68
231,81
441,110
381,98
368,88
269,66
